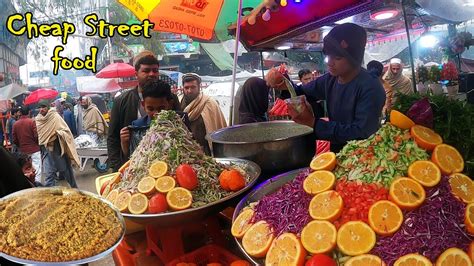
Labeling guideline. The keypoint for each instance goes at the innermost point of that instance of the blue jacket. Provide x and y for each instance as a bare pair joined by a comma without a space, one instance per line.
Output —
354,109
70,121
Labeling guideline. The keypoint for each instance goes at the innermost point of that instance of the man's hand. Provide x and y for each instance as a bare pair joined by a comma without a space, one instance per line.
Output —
125,139
305,117
275,79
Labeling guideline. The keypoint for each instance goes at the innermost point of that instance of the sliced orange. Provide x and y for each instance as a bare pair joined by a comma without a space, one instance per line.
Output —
242,223
365,260
385,217
407,193
448,159
355,238
327,205
425,137
319,181
470,251
324,161
122,201
462,187
179,198
112,196
469,218
138,203
286,250
454,257
425,172
164,184
147,186
258,239
319,237
116,179
400,120
158,169
413,259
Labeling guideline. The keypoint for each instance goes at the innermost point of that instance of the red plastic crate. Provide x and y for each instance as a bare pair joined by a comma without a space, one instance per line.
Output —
207,254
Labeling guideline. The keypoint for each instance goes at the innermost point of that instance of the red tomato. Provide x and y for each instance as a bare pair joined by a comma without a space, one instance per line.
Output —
157,204
186,177
321,260
106,183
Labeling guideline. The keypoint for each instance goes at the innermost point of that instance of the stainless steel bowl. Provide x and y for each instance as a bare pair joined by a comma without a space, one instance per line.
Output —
74,262
276,146
197,214
257,193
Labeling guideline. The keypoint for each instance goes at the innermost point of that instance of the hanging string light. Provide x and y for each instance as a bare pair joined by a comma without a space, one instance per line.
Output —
268,6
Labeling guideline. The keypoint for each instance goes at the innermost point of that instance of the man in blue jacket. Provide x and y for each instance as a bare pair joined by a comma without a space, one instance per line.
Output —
354,97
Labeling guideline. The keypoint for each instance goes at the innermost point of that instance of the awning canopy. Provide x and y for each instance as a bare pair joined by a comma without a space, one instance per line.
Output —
11,91
91,84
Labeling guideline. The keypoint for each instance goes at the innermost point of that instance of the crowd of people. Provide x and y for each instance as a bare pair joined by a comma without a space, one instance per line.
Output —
41,139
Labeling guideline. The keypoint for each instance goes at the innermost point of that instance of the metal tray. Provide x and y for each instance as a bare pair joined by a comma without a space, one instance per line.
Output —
196,214
258,192
74,262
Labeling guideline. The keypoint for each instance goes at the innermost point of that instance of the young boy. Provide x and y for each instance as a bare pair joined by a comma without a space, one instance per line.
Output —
26,164
157,96
354,97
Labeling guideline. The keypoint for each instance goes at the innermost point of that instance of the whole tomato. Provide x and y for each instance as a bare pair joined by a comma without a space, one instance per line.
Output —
321,260
157,204
186,177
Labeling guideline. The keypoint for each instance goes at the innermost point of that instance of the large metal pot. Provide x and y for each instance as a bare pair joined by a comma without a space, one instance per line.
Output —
276,146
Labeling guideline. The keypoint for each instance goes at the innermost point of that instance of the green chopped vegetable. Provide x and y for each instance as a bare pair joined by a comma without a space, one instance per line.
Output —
381,158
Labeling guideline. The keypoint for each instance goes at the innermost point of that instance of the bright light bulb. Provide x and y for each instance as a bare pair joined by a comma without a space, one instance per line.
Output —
283,3
383,16
428,41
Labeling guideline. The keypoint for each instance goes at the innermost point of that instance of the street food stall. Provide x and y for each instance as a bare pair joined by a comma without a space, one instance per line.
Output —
399,197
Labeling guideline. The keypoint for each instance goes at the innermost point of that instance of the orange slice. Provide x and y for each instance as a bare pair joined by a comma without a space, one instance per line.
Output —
112,196
469,218
412,259
365,260
179,198
470,251
385,217
448,159
462,187
355,238
122,201
319,237
164,184
318,182
425,172
400,120
454,257
326,206
324,161
158,169
116,179
258,239
242,223
425,137
138,204
407,193
147,186
286,250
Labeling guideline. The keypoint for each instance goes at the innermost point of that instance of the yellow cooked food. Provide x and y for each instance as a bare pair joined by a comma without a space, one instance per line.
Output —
57,226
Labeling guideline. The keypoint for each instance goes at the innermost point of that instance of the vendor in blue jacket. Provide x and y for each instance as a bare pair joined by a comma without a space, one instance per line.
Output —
354,97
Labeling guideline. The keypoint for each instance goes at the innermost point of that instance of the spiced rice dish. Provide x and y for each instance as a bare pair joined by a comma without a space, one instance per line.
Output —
57,225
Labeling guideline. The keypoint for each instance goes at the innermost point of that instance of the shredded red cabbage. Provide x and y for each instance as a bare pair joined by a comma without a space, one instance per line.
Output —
286,210
429,230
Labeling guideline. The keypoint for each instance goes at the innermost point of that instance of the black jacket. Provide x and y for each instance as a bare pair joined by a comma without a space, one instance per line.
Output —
124,112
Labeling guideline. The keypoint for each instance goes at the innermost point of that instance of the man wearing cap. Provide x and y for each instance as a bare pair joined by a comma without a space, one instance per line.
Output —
400,83
57,145
354,97
204,113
